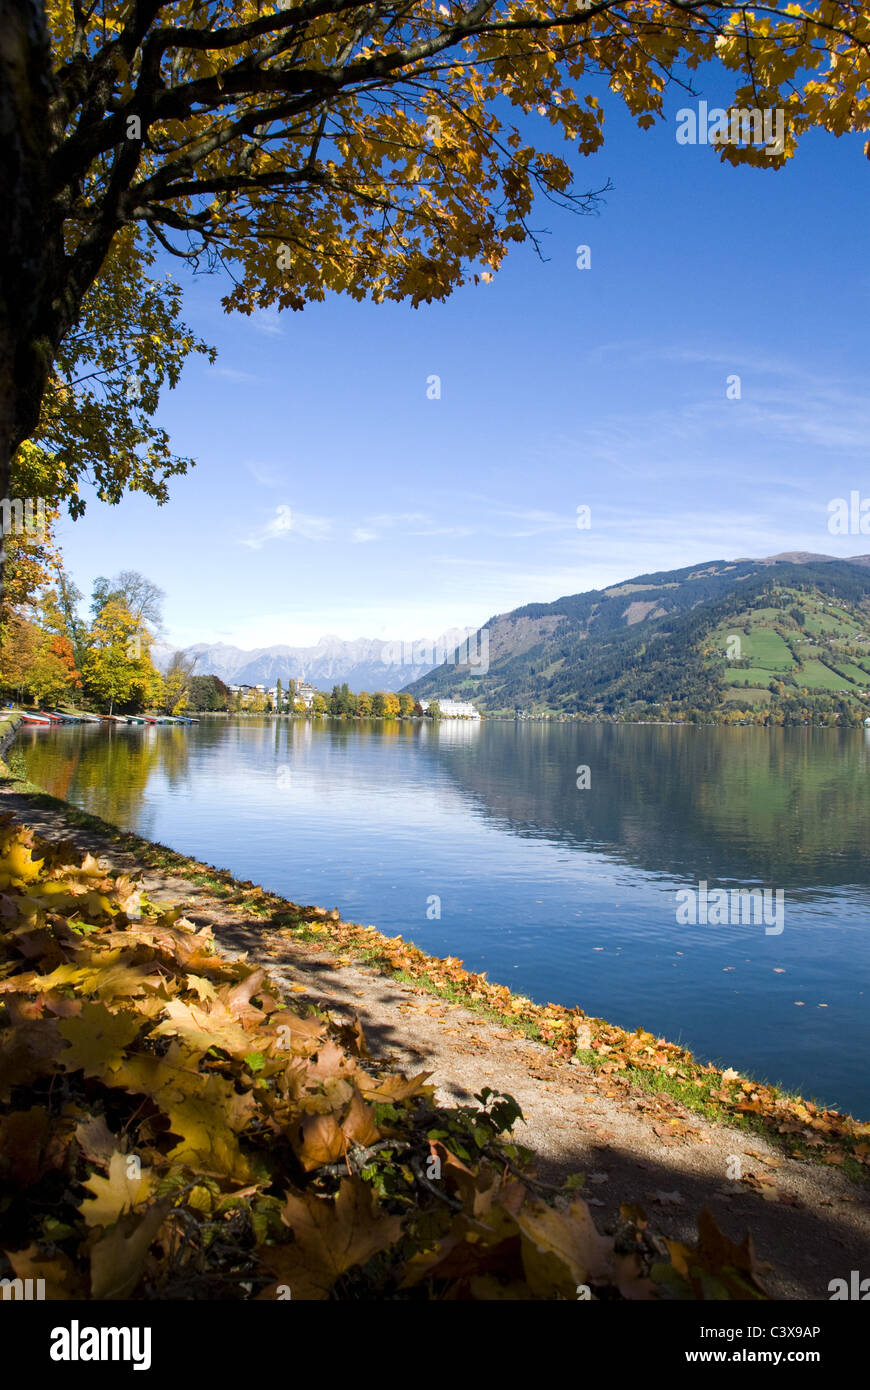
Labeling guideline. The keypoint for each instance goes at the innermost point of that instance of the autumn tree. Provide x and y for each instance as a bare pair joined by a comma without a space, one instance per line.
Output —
19,648
96,420
176,683
118,669
32,657
53,674
31,563
406,704
68,598
313,146
142,598
57,674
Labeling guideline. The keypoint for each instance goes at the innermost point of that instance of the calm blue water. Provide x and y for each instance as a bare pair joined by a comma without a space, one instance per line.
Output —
561,893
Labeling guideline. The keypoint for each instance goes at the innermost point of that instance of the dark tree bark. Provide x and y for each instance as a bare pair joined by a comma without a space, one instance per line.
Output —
28,246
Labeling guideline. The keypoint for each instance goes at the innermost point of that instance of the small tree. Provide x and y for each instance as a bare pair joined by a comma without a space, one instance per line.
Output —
109,666
176,683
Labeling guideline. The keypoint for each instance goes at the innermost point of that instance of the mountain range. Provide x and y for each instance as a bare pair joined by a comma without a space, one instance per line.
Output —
365,663
790,629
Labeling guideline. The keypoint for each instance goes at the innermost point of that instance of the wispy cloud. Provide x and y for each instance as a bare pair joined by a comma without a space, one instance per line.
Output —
285,523
233,374
266,321
384,519
462,529
266,474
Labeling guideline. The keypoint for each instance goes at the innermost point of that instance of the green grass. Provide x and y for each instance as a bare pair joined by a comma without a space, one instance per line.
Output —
765,648
816,676
764,616
820,621
858,675
736,676
747,695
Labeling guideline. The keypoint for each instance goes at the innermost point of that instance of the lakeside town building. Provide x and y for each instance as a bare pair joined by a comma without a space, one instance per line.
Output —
304,693
452,709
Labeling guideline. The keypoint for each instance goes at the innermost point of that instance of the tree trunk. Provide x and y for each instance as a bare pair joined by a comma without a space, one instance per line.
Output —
29,244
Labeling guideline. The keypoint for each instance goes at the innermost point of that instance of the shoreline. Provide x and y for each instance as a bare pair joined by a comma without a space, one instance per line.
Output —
630,1117
569,1032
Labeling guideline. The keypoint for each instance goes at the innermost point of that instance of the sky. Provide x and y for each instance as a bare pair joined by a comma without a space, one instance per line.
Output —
333,495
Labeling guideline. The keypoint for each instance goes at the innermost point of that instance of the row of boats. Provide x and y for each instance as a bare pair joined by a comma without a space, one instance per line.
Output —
48,717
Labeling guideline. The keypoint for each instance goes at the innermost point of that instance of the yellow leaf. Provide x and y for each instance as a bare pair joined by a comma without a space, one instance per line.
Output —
125,1187
97,1039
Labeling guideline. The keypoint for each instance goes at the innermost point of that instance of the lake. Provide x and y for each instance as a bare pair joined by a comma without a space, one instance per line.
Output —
491,843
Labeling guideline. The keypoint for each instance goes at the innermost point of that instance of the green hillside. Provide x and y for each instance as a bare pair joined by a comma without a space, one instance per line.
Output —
783,639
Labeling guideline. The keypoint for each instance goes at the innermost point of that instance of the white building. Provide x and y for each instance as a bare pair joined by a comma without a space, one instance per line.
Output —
305,693
452,709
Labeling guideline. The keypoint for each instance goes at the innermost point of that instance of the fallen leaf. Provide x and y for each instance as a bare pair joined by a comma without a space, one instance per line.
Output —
118,1256
120,1192
330,1237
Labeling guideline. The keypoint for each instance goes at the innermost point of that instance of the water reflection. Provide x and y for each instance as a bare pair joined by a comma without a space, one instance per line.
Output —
789,807
561,891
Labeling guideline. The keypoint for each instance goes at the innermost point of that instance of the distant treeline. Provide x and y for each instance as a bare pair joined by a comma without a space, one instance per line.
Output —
342,702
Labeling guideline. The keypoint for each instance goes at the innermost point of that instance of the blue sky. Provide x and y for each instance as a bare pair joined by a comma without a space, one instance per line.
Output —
332,496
